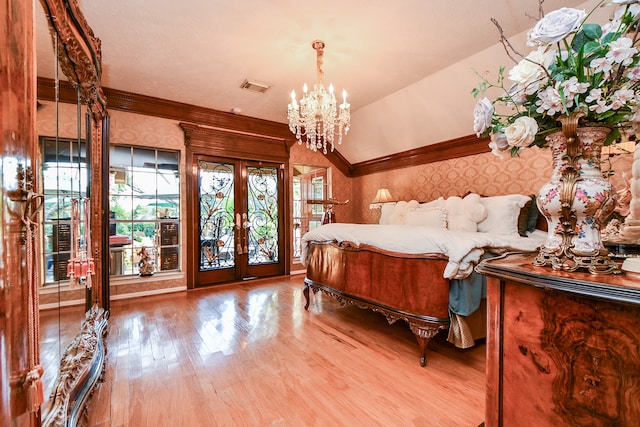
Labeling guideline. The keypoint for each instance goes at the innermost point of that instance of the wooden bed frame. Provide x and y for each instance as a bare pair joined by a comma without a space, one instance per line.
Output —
400,286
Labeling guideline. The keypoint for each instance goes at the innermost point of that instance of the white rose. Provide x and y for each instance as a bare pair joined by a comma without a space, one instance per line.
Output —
556,25
515,95
499,139
482,116
530,73
498,144
522,132
623,1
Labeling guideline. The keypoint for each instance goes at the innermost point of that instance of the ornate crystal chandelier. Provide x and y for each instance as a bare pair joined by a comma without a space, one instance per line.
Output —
315,118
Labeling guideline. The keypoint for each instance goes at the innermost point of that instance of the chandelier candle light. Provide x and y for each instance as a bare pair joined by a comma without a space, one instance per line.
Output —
315,118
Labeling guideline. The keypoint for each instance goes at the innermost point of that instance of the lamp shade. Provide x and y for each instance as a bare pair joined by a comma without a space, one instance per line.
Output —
383,196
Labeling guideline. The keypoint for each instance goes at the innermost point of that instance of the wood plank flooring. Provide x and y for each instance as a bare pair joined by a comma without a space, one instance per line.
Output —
249,355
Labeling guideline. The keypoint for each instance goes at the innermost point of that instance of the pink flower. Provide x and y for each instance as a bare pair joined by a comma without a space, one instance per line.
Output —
601,65
621,51
549,101
634,74
580,194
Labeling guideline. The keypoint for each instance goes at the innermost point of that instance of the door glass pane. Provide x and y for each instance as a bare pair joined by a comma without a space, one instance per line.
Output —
216,191
262,194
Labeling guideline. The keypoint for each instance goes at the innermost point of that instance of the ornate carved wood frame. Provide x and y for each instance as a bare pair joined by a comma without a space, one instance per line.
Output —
80,56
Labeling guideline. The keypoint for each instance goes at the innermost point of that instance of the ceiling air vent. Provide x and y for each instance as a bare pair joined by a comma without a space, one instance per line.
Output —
254,86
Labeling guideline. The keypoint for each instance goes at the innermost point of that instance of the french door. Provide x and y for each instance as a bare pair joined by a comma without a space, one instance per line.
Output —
240,220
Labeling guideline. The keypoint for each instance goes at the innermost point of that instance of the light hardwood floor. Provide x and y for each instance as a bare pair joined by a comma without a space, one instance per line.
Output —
250,355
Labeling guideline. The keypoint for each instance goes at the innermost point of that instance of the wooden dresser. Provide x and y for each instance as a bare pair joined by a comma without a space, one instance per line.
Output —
563,349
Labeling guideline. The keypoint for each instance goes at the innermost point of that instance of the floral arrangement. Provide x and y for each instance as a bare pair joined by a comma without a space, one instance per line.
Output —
576,66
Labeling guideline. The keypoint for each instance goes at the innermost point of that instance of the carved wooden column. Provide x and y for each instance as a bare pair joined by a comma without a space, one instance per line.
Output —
18,321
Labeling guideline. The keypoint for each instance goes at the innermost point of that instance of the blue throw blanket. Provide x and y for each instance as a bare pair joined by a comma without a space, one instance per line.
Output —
466,294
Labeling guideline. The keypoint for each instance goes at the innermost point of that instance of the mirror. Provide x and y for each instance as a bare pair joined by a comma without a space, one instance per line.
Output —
73,132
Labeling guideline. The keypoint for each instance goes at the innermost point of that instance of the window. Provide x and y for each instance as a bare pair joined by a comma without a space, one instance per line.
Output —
144,203
64,179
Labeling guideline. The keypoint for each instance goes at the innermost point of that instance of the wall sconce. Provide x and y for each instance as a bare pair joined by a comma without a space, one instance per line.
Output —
382,196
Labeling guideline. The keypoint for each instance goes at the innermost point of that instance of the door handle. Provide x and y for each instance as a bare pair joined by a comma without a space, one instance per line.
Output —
237,226
246,225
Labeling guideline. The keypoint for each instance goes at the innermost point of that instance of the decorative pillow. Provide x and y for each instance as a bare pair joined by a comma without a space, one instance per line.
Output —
400,212
439,202
534,213
386,211
502,214
528,217
464,214
523,217
435,217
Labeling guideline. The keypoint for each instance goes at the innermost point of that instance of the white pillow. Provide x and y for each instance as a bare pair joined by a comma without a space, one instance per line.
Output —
439,202
464,214
435,217
399,215
502,214
386,211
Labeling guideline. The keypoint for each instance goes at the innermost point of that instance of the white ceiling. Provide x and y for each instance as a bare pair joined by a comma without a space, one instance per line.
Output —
200,51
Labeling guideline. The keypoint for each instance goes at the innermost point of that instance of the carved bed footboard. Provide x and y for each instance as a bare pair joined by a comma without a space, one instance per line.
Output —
400,286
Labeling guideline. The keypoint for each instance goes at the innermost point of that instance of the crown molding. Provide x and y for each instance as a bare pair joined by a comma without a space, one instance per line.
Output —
446,150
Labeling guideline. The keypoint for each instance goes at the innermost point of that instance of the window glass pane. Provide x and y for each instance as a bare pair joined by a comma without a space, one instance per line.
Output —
144,233
168,184
120,182
51,208
168,207
121,207
143,184
124,229
120,156
57,208
168,161
144,158
144,208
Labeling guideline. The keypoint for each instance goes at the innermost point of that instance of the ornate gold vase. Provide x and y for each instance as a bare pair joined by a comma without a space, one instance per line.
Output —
576,200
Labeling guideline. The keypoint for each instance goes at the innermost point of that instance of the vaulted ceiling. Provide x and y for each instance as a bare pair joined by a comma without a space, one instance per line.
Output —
200,51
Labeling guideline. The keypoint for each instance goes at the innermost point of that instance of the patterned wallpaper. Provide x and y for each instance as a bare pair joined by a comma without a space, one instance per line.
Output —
485,174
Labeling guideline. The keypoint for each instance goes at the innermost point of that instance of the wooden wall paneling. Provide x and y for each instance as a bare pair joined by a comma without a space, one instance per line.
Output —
459,147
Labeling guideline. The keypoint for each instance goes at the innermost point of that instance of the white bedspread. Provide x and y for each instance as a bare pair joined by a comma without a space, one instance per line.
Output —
462,248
